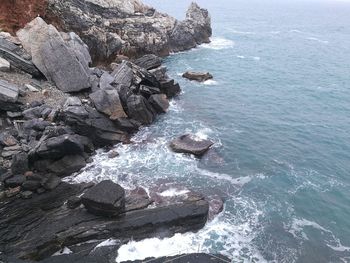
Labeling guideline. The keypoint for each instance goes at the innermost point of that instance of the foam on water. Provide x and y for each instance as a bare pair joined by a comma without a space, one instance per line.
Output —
210,82
219,43
318,40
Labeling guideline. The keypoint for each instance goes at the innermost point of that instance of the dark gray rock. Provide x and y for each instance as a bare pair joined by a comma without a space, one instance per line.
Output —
8,96
187,258
51,182
26,194
170,88
139,109
106,80
106,199
20,163
159,102
108,102
149,61
73,202
67,165
160,73
147,91
14,181
6,139
188,144
197,76
53,57
31,185
37,111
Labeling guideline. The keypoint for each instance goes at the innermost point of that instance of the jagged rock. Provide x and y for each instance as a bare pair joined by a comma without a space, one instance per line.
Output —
86,121
149,61
106,199
159,102
4,65
17,57
41,111
108,102
170,88
106,80
19,163
8,96
73,202
197,76
189,144
50,54
160,73
186,258
140,109
147,91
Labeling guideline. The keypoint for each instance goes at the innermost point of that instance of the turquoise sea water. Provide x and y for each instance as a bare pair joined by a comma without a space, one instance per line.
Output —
279,112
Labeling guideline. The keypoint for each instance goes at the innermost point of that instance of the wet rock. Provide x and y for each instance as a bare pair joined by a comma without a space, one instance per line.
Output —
13,191
19,163
26,194
113,154
170,88
197,76
31,185
105,198
189,144
216,206
149,61
8,96
147,91
159,102
140,109
67,165
108,102
73,202
14,181
53,57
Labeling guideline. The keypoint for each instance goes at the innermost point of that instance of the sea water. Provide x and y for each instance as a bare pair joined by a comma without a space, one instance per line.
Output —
278,110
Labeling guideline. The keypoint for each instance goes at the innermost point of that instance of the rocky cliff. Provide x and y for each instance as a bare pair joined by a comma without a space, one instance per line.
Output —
111,27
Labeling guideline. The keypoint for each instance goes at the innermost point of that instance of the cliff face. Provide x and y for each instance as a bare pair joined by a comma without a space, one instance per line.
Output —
111,27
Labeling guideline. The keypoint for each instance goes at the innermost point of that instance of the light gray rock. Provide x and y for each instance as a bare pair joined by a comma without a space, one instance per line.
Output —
8,96
50,54
4,65
108,102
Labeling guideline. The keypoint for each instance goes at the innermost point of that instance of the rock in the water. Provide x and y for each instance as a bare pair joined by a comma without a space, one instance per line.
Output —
187,258
189,144
50,54
8,96
4,65
105,198
108,102
139,109
159,102
197,76
149,61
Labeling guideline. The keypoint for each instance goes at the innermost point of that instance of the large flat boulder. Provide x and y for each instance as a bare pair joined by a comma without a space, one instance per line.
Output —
106,199
190,144
197,76
53,57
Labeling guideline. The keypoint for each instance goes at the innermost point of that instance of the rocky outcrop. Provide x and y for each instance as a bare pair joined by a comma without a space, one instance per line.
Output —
54,58
197,76
129,27
190,144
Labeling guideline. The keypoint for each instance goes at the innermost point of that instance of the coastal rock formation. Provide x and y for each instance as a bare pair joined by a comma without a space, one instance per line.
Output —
129,27
198,76
189,144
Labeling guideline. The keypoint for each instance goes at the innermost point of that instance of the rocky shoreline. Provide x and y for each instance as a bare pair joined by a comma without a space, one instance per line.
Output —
56,110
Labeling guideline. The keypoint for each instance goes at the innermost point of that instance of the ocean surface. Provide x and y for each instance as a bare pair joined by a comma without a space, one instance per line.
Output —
278,111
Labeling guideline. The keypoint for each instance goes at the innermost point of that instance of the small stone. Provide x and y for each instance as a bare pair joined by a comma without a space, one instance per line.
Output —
26,194
40,190
45,92
28,174
31,88
73,202
14,114
15,181
13,191
31,185
2,195
113,154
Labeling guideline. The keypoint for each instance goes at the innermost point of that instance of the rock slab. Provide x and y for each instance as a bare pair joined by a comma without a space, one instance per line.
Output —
189,144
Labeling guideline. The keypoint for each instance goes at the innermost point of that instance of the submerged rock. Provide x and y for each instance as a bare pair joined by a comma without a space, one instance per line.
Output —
106,199
197,76
189,144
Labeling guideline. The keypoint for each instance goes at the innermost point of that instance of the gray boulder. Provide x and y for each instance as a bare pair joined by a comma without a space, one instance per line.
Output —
105,198
108,102
53,57
159,102
170,88
189,144
149,61
8,96
139,109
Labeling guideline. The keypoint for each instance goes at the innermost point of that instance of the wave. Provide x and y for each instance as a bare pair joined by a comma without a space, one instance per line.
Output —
210,82
218,43
318,40
242,32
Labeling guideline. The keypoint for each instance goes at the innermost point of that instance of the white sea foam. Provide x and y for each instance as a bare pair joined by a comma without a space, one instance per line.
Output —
242,32
256,58
242,57
210,82
298,225
108,242
219,43
63,251
173,192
